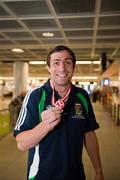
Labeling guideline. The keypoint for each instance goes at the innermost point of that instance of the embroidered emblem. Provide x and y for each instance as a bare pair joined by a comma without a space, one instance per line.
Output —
78,109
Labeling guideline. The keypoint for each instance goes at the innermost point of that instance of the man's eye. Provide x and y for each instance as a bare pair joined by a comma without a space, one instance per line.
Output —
56,63
68,62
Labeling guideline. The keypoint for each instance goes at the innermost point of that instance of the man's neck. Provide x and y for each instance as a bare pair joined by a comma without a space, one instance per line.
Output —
62,90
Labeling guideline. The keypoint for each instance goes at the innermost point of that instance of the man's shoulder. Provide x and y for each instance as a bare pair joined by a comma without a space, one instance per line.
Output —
81,91
40,88
36,93
35,90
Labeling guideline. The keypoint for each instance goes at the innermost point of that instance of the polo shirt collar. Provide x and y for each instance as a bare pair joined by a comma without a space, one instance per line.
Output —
49,88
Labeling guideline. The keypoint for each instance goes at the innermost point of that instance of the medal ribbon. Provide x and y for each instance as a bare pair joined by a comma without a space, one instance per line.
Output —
61,102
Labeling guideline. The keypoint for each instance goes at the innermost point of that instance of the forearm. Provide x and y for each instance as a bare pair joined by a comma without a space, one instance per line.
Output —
92,148
31,138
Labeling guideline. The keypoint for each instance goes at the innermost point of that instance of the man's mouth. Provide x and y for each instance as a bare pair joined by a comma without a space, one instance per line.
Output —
62,75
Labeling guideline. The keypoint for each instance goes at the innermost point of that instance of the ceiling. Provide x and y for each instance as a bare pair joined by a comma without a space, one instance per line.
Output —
88,27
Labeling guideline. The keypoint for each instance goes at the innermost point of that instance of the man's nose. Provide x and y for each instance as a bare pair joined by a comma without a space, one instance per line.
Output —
62,65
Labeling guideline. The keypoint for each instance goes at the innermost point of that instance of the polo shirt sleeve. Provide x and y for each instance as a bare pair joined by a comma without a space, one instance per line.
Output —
91,123
28,117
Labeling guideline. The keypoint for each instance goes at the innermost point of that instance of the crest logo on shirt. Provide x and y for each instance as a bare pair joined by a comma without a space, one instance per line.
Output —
78,108
78,111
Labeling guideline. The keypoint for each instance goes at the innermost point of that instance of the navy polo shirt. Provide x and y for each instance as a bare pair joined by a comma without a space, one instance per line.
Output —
58,155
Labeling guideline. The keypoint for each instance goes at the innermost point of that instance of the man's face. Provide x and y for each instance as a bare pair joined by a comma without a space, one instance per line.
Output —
61,68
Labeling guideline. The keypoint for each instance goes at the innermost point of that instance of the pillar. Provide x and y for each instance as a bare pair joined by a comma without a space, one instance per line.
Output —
20,77
119,79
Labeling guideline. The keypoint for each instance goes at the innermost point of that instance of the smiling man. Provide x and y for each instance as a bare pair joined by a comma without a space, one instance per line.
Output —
54,123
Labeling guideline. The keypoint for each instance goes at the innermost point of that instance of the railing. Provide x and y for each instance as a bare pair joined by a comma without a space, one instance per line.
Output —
113,106
4,122
116,112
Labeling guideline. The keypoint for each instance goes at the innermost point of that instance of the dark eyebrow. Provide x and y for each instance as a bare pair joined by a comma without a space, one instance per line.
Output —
55,59
69,58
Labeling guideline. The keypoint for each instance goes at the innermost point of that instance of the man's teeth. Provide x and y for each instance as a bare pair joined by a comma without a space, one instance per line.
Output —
62,75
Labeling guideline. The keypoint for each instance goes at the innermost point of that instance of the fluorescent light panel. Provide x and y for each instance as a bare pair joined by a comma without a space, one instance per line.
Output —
96,62
17,50
83,62
48,34
85,77
37,62
77,62
87,62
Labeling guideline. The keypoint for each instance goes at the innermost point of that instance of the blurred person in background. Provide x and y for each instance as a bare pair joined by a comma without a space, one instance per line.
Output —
14,108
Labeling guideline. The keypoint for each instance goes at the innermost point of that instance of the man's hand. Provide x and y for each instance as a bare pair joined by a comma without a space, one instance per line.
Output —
51,117
99,176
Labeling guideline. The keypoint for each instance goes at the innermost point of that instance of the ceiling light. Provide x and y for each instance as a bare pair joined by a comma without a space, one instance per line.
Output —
17,50
77,77
48,34
6,78
83,62
85,77
96,69
38,78
37,62
96,62
90,77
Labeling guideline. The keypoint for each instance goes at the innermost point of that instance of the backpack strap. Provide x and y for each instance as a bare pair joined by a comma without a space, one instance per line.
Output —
83,100
41,104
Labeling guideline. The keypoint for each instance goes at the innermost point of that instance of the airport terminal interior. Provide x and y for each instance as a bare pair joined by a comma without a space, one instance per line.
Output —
29,29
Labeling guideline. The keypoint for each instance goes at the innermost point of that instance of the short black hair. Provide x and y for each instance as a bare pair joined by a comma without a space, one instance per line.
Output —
61,48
